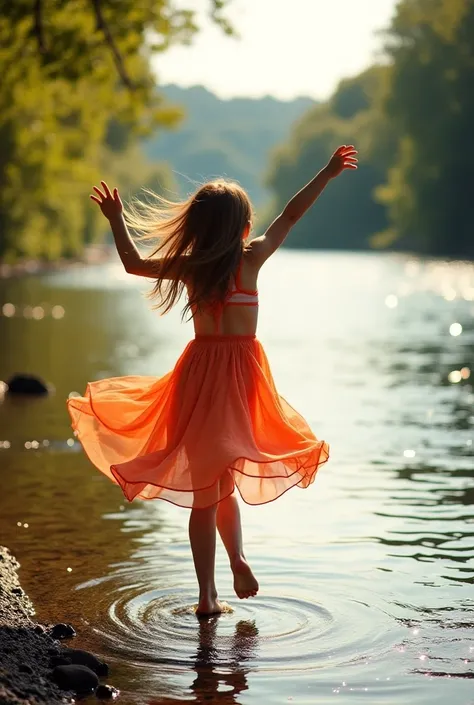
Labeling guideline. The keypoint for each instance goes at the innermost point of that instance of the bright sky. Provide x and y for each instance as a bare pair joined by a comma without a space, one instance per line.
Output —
286,49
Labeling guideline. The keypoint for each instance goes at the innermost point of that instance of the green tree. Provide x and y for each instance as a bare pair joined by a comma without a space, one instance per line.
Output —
347,213
430,186
71,71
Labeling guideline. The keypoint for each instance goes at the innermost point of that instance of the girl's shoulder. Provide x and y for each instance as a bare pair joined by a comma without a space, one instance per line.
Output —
247,272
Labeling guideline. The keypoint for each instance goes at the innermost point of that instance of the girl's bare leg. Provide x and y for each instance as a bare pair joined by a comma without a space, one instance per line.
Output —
202,535
230,530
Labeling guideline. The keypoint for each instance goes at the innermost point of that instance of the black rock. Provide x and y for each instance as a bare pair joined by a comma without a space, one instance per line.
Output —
39,629
84,658
62,631
27,384
59,661
107,692
78,678
17,591
25,668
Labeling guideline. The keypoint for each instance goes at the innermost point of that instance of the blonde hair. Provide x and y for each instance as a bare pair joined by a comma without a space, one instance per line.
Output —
200,241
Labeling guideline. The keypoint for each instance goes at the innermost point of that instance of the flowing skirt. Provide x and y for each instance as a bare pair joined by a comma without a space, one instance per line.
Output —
213,423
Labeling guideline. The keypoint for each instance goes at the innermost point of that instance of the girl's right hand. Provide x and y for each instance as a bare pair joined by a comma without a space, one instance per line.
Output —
343,158
110,204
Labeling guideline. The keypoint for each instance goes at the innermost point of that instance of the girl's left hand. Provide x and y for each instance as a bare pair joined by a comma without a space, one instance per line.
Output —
110,204
343,158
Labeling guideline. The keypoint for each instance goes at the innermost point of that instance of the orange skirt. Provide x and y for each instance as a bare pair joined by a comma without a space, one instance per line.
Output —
214,422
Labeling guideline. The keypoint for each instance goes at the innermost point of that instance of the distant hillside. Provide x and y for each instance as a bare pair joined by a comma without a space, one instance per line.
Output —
231,138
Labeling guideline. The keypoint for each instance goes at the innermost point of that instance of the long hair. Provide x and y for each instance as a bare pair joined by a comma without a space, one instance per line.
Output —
200,242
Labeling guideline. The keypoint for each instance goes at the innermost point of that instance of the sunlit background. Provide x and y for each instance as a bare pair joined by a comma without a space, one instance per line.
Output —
367,317
280,51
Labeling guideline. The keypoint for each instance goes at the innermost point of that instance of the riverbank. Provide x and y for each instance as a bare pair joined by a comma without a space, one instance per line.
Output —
34,666
94,254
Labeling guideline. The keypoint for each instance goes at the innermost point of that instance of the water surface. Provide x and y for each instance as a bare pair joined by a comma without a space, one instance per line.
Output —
367,577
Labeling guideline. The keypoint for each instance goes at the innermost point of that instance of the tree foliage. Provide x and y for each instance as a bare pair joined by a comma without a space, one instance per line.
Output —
430,184
346,214
412,120
73,71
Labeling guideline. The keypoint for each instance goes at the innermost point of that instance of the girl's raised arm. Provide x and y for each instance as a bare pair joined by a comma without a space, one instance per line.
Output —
264,246
112,207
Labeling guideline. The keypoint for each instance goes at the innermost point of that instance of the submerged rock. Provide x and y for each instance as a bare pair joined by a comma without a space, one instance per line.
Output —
80,679
107,692
84,658
26,384
62,631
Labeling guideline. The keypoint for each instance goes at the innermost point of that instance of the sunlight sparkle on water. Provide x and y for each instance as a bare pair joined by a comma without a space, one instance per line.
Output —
469,294
57,312
8,310
412,268
450,294
391,301
38,313
409,453
465,372
455,376
455,329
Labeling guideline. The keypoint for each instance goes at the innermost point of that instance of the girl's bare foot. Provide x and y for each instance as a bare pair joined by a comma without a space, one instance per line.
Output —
209,604
245,583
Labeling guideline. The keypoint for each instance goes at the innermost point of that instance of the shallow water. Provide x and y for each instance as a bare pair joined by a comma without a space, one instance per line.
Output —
366,577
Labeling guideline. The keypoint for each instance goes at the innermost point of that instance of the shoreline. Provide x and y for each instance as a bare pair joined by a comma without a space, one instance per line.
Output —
34,665
93,255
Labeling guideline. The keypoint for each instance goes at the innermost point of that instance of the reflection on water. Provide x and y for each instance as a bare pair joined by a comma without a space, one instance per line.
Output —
367,577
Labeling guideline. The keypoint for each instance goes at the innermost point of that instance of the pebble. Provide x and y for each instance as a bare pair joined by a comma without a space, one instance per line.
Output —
107,692
84,658
80,679
62,631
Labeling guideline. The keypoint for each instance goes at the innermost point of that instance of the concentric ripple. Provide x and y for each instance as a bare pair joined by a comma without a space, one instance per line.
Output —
274,632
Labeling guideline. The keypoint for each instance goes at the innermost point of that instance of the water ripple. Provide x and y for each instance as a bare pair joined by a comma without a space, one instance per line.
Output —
148,626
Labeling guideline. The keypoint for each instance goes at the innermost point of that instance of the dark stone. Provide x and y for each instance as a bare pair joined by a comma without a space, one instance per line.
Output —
107,692
27,384
78,678
25,668
17,591
39,629
62,631
59,661
84,658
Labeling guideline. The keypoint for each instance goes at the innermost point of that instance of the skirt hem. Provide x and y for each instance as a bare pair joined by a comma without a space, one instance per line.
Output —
310,476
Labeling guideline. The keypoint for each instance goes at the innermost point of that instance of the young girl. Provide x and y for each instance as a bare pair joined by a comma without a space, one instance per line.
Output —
216,421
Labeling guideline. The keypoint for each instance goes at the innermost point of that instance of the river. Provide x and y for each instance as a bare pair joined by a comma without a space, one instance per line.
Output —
367,577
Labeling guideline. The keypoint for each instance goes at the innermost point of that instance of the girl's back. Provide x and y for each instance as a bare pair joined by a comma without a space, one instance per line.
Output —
237,314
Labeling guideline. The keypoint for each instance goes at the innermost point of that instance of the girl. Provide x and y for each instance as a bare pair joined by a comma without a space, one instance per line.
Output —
216,421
